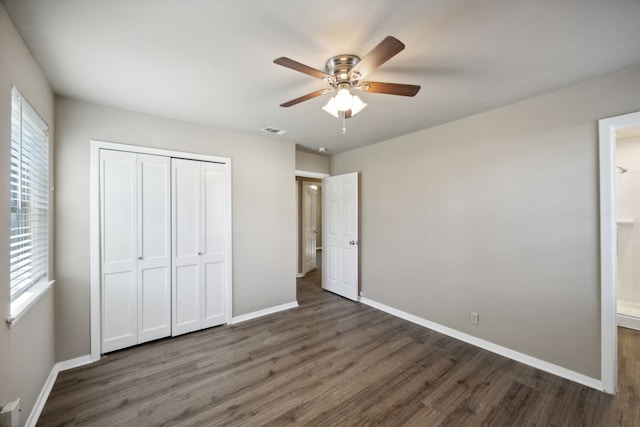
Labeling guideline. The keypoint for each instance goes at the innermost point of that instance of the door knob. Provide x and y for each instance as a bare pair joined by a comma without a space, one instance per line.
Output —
353,243
139,258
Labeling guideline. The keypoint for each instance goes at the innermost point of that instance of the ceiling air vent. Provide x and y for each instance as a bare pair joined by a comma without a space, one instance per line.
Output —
273,130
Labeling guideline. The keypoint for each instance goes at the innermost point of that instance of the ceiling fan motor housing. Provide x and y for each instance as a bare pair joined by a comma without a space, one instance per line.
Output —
339,68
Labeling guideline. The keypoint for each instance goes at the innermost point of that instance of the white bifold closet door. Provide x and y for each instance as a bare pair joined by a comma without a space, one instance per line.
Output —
135,193
199,261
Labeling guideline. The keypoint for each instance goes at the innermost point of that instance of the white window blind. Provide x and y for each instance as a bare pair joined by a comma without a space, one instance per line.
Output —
29,197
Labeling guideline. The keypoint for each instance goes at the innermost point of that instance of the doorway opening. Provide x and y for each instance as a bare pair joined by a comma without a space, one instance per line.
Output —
628,227
309,227
309,224
613,230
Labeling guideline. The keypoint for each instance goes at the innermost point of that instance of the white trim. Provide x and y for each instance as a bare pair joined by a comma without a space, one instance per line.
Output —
94,230
608,243
629,308
27,300
630,322
159,151
65,365
34,415
229,248
487,345
309,174
266,311
94,247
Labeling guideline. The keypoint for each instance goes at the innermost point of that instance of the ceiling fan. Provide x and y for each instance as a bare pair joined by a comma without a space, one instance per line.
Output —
344,74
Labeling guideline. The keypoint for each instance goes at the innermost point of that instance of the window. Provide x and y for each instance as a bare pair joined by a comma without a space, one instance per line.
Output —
29,199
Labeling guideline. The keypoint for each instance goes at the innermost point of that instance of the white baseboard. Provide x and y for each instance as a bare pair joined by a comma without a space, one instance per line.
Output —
48,385
630,322
42,398
494,348
266,311
74,363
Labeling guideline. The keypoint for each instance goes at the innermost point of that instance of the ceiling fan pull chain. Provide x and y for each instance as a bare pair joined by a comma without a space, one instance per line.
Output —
344,122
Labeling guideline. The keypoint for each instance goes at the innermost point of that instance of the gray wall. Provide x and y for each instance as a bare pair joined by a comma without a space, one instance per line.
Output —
264,247
310,162
27,350
498,214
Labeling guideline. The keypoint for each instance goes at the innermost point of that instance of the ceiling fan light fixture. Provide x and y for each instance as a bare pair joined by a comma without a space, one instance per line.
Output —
357,106
343,100
331,108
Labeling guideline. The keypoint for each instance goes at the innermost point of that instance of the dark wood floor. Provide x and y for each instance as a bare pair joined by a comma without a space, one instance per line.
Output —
331,362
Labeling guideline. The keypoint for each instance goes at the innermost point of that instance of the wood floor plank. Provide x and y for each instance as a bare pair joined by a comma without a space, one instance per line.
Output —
473,389
331,362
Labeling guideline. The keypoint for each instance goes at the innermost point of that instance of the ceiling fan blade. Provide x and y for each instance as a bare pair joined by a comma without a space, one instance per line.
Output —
305,97
294,65
385,50
389,88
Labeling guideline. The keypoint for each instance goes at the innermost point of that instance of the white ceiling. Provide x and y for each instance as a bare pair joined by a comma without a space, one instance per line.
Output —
211,61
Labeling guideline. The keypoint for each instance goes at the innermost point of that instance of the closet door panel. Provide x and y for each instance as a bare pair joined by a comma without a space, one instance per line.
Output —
187,301
118,210
155,207
215,234
154,247
118,193
186,202
187,290
214,215
119,311
154,310
214,292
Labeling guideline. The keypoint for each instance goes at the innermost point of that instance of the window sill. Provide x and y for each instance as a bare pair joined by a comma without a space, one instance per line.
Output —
27,300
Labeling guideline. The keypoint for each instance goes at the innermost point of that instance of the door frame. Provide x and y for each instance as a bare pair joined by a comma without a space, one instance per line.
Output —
301,174
608,243
94,226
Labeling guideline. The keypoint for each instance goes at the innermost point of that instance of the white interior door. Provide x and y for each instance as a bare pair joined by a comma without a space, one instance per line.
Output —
200,245
186,288
119,294
214,252
154,247
340,235
309,225
136,251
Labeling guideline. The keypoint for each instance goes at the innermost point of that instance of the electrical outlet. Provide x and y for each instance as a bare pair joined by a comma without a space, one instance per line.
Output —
474,318
10,414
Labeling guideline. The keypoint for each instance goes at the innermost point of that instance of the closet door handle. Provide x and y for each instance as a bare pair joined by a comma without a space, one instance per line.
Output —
199,253
139,258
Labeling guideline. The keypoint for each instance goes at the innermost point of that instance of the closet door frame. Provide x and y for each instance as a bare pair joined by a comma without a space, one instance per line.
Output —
94,212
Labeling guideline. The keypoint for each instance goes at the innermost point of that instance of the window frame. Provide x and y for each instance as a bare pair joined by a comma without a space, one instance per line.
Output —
30,188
